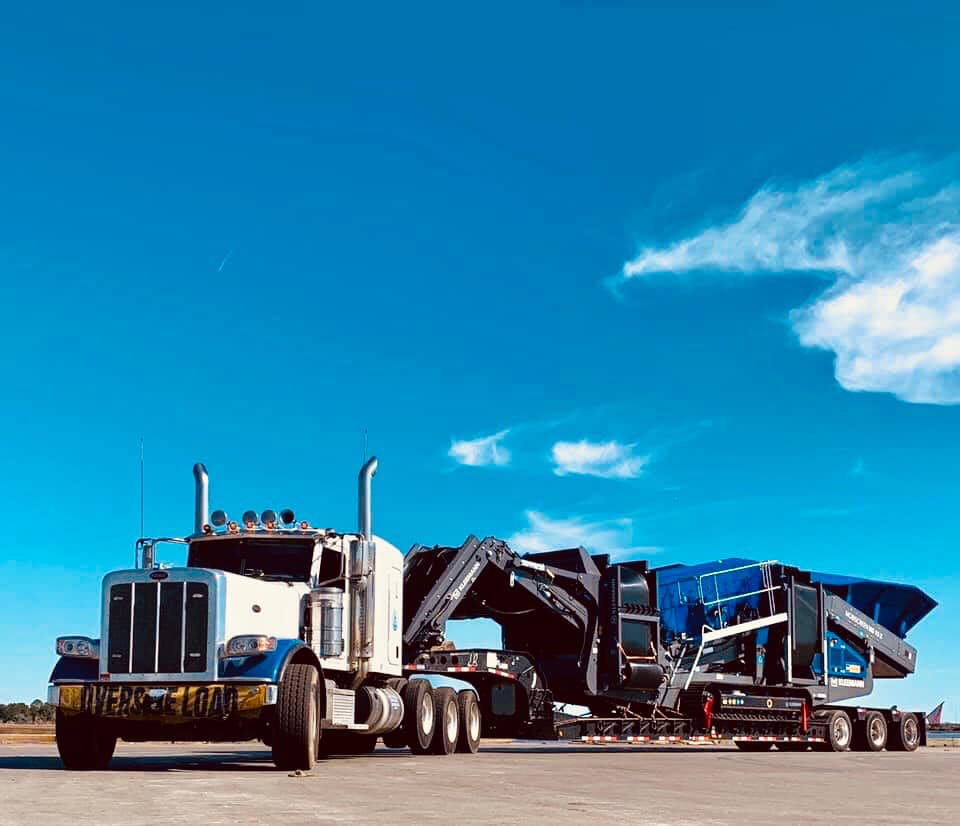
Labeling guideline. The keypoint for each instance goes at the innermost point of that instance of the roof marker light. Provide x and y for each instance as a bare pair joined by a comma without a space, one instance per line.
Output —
304,526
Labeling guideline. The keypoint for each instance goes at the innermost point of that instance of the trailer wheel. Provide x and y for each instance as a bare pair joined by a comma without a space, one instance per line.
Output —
83,743
297,735
753,745
469,709
447,728
905,734
839,731
870,733
419,719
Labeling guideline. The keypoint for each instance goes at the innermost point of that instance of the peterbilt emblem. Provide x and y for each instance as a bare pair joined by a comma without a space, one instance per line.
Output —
159,575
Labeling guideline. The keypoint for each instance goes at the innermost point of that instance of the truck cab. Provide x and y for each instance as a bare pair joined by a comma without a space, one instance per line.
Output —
273,630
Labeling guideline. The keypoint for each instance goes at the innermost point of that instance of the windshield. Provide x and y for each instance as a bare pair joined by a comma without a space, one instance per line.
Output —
255,556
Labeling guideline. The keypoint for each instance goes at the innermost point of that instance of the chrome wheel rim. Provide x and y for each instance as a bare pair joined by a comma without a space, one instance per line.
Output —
841,731
426,713
473,722
452,721
910,731
878,732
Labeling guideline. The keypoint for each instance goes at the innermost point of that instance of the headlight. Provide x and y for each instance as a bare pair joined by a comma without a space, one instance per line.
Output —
249,645
78,647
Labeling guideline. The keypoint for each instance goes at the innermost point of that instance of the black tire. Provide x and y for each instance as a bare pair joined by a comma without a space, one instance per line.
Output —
419,718
297,735
447,716
904,734
839,734
83,742
870,733
753,745
469,710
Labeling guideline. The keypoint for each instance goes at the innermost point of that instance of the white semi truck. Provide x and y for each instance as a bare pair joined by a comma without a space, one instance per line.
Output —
273,630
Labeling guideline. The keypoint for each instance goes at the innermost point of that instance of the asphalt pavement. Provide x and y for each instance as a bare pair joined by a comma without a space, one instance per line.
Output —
506,782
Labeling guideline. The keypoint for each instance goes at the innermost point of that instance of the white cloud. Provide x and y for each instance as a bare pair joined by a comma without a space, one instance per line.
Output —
611,536
609,460
487,450
887,233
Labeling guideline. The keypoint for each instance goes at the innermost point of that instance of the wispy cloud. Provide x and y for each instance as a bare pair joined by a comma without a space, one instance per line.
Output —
608,460
486,450
886,233
610,536
859,467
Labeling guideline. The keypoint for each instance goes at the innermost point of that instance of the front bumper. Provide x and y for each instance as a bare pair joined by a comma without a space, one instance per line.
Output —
163,703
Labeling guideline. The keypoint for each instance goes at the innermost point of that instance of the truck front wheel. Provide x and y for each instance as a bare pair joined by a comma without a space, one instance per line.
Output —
83,743
297,734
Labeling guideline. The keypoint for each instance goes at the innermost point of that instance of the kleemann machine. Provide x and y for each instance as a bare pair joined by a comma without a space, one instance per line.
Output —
759,652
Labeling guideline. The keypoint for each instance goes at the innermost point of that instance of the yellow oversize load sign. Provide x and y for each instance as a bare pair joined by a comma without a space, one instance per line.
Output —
184,702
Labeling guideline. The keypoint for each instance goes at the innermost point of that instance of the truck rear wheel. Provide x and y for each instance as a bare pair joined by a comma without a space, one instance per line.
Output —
297,735
469,709
447,715
419,719
904,734
870,733
83,743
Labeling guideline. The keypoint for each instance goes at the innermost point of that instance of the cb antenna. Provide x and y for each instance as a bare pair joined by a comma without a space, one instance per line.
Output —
141,487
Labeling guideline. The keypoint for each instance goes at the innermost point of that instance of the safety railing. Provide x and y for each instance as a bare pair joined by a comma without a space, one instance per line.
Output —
713,601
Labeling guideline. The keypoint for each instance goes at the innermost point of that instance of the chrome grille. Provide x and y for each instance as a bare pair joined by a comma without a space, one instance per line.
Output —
158,628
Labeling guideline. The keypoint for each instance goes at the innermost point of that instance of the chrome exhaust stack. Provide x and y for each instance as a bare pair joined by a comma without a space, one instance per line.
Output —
364,503
201,507
361,578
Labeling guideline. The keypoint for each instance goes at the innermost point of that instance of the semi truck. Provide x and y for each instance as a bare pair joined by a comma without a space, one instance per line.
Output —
273,630
318,642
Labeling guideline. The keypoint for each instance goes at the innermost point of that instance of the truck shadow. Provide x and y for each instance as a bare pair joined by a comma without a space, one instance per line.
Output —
240,761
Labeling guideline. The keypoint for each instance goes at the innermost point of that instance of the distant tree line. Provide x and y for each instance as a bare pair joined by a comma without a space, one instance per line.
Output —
37,712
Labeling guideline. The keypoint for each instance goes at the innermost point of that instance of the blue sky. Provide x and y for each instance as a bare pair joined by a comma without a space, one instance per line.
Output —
679,283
